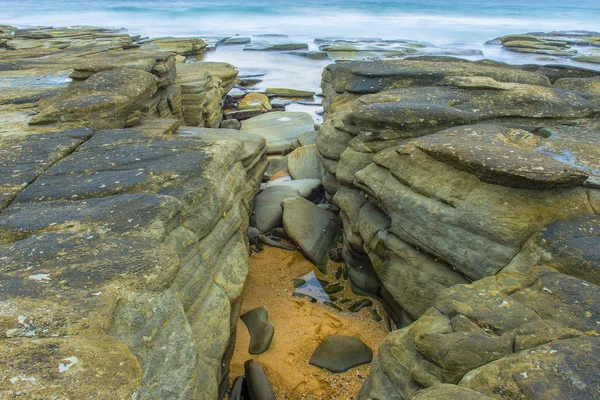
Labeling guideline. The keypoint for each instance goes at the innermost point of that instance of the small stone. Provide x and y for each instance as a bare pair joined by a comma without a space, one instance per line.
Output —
298,282
360,304
261,332
230,124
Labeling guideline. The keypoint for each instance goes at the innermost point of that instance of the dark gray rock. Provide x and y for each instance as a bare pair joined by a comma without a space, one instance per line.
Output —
340,353
257,382
261,332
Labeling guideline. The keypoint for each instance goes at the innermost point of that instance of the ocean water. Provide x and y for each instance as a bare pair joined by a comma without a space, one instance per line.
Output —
464,24
437,21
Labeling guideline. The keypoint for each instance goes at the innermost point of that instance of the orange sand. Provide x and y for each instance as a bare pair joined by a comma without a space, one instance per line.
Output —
299,327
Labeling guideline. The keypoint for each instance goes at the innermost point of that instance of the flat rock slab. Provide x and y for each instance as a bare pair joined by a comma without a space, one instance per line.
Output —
279,128
499,155
238,40
185,46
268,46
267,206
304,164
339,353
104,101
284,92
261,332
25,158
310,227
373,77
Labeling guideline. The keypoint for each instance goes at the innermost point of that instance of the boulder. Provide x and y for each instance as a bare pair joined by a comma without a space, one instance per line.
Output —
510,333
303,163
313,229
253,101
267,206
269,46
261,332
306,187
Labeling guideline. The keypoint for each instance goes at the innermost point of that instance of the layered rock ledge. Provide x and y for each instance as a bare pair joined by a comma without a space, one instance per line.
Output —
123,234
449,172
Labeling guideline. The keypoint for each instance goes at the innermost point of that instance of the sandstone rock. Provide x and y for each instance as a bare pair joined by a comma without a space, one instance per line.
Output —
357,77
303,163
106,100
160,64
203,86
571,246
188,46
423,190
279,128
376,112
449,392
500,155
253,101
447,343
282,92
313,229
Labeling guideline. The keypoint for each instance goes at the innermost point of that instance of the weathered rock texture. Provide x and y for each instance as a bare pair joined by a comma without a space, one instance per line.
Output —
123,252
113,86
448,171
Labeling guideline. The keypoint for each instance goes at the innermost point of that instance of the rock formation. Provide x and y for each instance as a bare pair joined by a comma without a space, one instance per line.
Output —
449,172
123,252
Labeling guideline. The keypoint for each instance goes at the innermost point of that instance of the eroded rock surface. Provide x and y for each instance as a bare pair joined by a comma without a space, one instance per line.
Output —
123,252
448,171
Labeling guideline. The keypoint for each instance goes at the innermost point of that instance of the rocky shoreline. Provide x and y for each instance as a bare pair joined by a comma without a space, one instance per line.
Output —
463,197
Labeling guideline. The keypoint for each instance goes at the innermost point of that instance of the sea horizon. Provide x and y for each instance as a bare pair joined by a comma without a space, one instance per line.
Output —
439,22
